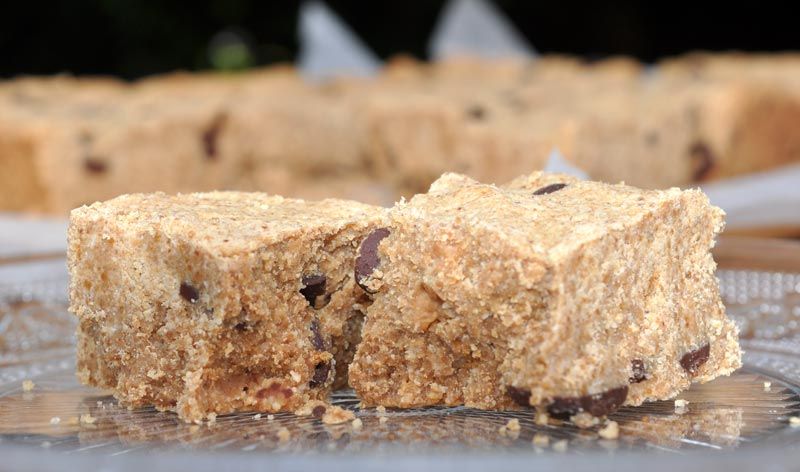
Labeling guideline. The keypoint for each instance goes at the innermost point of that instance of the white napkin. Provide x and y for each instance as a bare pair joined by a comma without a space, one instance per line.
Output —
476,28
329,48
24,236
764,200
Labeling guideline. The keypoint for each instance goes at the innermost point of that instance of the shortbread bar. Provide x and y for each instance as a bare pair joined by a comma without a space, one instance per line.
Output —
216,302
573,297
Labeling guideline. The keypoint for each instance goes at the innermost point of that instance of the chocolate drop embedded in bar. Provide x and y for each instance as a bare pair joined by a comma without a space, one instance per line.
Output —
638,371
549,189
693,360
520,396
368,258
314,290
599,404
189,293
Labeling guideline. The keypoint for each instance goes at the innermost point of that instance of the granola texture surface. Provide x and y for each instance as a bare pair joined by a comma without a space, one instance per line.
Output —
564,295
217,302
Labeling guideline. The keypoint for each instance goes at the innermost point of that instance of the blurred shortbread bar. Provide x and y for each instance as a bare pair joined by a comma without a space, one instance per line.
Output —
65,142
573,297
217,302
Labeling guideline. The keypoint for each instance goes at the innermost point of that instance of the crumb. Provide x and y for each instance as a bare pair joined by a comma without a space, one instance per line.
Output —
316,408
542,419
502,431
380,409
87,418
609,431
794,421
212,418
560,446
99,402
541,440
767,386
270,417
336,415
55,420
681,403
28,385
513,425
284,435
257,416
584,420
383,420
357,423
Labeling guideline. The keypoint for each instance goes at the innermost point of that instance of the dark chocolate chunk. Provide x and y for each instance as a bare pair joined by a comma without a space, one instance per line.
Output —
599,404
189,293
651,138
638,372
241,326
318,411
520,396
702,160
321,372
316,336
368,259
549,189
314,290
691,361
94,165
210,135
476,112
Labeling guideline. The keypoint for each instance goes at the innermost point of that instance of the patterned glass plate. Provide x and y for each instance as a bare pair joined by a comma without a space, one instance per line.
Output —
48,420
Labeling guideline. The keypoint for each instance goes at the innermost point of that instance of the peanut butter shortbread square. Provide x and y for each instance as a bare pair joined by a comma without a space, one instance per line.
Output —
216,302
573,297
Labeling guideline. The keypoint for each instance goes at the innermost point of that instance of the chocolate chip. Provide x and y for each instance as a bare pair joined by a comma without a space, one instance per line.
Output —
520,396
599,404
639,374
321,372
691,361
189,293
368,259
318,411
94,165
476,112
314,290
241,326
549,189
651,138
316,336
210,135
702,160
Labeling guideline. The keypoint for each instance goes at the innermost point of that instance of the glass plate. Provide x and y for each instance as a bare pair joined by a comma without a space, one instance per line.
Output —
47,417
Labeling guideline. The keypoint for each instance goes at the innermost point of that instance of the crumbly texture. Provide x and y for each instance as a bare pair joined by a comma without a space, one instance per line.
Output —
217,302
65,142
564,295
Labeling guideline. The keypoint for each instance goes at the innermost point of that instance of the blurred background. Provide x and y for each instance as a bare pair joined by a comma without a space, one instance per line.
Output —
135,39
